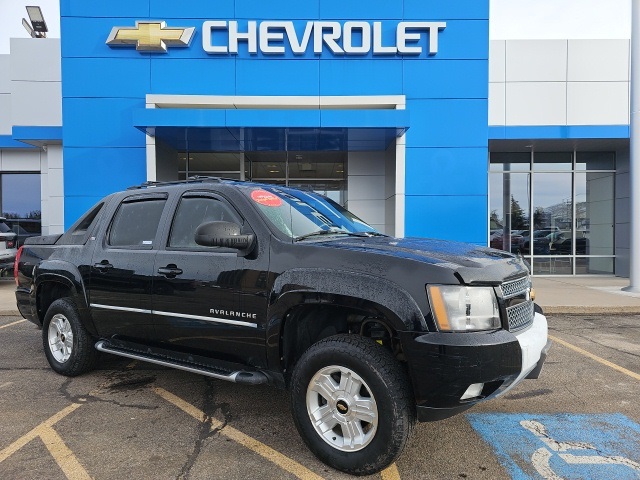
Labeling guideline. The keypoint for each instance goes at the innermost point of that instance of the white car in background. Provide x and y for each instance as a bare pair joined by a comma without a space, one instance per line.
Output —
8,248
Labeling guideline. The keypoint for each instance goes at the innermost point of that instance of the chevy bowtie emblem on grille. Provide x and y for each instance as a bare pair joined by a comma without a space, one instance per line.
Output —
150,36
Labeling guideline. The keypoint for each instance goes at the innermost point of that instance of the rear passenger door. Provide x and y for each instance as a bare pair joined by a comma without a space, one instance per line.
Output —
196,299
122,269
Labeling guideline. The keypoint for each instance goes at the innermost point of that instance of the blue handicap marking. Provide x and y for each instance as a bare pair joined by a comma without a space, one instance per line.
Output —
562,446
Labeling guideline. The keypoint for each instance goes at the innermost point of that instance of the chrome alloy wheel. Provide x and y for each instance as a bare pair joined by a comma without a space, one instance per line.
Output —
60,338
342,408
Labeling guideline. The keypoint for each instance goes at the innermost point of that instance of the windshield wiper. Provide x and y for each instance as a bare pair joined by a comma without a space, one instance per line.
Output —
339,232
320,232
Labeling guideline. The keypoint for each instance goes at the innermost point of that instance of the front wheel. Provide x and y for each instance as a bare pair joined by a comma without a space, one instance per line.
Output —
67,344
352,404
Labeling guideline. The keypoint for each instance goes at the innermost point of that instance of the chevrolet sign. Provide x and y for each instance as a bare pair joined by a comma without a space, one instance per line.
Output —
221,37
150,36
270,37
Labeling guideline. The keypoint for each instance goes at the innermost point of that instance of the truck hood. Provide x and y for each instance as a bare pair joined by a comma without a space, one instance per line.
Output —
469,263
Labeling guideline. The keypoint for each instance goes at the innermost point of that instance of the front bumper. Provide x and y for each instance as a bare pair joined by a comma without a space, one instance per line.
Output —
444,365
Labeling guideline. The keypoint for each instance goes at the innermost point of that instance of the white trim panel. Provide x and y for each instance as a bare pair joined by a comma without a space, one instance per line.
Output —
121,309
172,314
390,102
206,319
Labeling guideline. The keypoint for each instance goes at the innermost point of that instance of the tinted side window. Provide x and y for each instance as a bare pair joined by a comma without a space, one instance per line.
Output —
136,223
192,212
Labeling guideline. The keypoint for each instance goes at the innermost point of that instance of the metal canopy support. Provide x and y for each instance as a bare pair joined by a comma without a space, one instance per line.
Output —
634,171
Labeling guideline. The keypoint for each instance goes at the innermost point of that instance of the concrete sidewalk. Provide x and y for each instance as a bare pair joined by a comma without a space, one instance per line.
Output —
573,295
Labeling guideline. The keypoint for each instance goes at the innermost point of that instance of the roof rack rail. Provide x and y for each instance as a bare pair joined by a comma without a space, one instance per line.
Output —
194,179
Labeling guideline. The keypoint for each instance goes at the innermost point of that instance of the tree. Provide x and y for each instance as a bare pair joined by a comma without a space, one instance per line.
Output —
519,219
539,218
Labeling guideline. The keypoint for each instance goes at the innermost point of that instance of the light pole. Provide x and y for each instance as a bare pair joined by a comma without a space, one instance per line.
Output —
634,167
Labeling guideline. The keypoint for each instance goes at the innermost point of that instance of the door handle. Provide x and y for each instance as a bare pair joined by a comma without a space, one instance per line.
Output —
104,265
170,271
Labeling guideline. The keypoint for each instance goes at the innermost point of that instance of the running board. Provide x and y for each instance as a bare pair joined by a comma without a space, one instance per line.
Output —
240,376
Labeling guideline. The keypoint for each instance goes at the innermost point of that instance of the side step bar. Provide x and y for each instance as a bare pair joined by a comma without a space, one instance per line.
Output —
240,376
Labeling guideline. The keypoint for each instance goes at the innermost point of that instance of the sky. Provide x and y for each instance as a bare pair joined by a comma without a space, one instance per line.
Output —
509,19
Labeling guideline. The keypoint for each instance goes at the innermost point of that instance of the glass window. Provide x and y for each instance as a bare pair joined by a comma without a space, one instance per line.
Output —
553,161
136,223
515,162
572,210
209,164
595,161
191,213
21,203
552,265
509,207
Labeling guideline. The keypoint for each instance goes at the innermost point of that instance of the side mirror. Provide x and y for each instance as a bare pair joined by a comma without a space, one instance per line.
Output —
223,234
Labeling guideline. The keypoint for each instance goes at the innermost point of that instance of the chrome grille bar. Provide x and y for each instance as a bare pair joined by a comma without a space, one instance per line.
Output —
515,287
520,316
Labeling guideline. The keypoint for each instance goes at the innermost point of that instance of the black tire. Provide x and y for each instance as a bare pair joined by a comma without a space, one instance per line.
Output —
67,357
381,377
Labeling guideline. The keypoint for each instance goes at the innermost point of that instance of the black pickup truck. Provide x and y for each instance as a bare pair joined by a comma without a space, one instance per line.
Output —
265,284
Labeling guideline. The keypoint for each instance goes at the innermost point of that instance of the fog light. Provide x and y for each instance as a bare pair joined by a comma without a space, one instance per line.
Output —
474,390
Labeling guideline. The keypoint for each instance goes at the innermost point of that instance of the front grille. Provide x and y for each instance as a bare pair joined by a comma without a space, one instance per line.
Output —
515,287
515,294
520,316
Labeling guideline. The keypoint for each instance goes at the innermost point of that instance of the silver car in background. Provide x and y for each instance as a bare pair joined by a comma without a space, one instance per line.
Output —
8,244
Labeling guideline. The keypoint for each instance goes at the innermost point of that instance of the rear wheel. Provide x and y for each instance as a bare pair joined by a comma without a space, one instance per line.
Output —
67,344
352,404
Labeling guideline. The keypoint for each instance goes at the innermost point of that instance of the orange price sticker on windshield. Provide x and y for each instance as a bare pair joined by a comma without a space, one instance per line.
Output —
265,198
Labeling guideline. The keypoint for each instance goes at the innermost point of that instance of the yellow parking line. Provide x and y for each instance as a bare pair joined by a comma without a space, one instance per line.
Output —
596,358
12,323
258,447
64,457
36,432
186,407
390,473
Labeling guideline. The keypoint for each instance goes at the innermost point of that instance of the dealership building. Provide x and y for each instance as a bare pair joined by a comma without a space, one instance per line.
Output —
404,111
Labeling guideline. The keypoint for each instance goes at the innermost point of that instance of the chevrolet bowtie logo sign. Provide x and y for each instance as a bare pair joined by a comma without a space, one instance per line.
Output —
150,36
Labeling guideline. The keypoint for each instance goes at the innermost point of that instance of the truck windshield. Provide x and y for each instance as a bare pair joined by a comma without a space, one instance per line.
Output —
300,215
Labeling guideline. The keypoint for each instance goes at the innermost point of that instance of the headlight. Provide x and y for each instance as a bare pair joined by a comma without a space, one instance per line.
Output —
463,309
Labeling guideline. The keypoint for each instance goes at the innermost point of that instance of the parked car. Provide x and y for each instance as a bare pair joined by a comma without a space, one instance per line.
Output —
8,248
260,284
497,241
540,241
24,228
560,243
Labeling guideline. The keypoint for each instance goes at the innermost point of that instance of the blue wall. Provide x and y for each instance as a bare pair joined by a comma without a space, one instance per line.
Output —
446,154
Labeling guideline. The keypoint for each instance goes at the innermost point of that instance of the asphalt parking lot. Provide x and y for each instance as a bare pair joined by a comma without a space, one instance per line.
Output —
581,419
